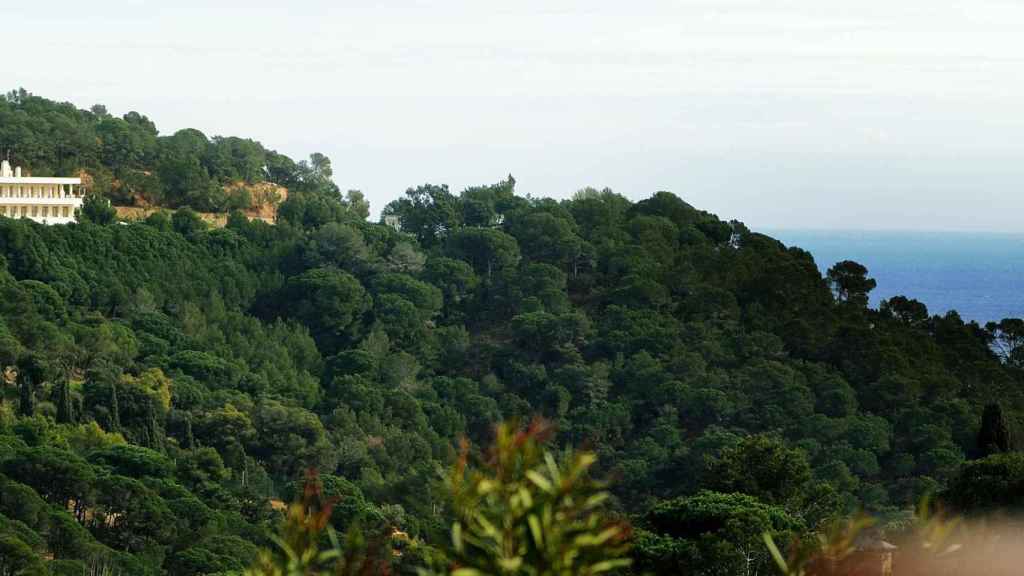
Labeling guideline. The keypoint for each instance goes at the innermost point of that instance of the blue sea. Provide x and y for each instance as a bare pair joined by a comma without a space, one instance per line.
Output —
980,275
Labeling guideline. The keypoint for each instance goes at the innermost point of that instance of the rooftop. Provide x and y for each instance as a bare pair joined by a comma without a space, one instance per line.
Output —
9,176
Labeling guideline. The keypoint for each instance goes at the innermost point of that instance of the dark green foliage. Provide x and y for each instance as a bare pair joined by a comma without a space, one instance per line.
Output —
133,461
98,210
489,251
128,161
331,302
68,568
850,283
27,395
763,467
994,435
1007,337
57,475
163,381
428,212
17,557
710,533
65,409
20,502
994,483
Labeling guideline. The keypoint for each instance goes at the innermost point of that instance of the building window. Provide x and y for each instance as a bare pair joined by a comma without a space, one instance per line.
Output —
24,211
65,210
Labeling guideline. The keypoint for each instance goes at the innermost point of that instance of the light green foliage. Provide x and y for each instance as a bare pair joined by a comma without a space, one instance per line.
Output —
523,512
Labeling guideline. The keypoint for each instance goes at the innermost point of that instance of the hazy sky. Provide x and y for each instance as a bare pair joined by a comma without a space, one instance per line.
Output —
799,113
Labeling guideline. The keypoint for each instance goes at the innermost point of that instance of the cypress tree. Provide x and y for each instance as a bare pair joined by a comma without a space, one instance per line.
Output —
994,435
115,412
27,404
154,433
190,440
65,410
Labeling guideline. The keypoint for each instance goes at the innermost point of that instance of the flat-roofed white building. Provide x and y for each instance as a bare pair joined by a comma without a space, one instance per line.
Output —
46,200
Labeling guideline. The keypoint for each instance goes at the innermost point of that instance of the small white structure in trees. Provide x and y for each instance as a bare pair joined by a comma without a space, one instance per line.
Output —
45,200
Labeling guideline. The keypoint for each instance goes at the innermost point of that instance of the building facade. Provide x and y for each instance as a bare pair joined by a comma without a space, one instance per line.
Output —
45,200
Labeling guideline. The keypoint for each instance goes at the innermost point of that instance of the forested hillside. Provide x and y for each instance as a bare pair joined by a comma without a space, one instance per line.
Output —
164,382
125,159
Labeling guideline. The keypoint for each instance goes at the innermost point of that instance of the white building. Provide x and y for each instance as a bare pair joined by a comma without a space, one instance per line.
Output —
46,200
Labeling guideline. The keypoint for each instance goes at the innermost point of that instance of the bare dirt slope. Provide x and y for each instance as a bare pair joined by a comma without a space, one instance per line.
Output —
266,197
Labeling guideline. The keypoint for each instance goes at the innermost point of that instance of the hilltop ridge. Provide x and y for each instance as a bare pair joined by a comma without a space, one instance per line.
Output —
127,161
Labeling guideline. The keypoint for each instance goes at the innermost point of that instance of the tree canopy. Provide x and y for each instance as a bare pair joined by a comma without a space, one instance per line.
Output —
166,384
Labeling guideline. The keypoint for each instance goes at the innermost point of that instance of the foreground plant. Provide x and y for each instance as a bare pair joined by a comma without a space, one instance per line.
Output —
522,511
308,546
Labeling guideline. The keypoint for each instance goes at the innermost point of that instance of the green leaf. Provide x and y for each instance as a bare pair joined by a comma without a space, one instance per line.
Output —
457,536
774,550
607,565
541,482
538,534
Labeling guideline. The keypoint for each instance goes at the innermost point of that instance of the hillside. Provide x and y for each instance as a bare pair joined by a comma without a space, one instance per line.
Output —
168,380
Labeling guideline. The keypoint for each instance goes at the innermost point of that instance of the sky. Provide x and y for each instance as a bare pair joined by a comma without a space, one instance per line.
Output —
810,114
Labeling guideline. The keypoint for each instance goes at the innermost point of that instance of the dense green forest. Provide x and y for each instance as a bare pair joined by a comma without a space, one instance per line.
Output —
165,382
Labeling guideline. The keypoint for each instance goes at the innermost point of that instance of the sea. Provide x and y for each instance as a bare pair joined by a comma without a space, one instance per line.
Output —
980,275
